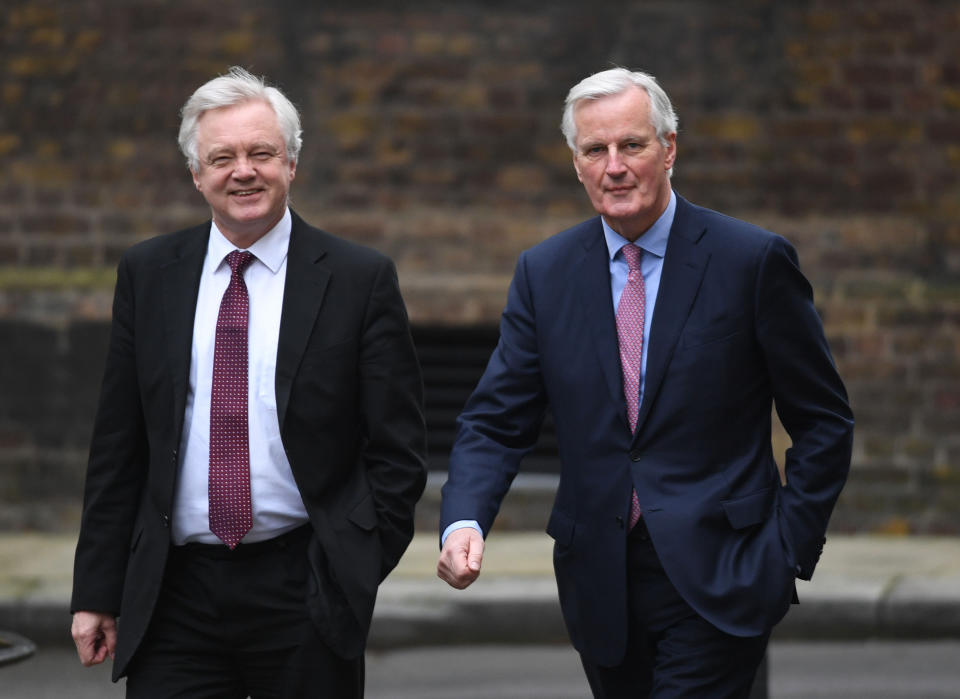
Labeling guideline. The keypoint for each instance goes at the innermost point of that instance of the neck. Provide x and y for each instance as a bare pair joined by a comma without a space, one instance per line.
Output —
244,237
632,228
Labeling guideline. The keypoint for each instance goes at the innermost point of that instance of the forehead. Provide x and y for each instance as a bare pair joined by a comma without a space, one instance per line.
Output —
613,115
238,124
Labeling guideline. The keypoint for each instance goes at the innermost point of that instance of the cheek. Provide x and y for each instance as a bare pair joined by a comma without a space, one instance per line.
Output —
646,174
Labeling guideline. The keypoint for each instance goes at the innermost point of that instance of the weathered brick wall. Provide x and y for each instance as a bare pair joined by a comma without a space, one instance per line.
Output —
431,133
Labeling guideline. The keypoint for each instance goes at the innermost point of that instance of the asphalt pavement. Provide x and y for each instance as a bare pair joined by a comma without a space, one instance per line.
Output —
864,587
798,670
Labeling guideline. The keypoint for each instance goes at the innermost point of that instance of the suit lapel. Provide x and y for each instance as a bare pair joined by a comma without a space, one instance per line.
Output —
303,293
683,267
594,280
180,284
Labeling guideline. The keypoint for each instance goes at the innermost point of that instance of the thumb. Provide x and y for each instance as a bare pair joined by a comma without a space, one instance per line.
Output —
475,554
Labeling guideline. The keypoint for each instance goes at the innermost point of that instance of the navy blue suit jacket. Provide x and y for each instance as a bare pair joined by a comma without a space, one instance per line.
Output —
734,333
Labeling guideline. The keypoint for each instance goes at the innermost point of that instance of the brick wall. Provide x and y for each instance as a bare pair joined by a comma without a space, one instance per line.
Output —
431,133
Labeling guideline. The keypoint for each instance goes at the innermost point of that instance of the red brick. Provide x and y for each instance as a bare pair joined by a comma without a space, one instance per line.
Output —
54,223
434,137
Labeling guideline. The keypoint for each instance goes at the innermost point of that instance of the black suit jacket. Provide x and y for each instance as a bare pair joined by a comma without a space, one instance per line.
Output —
349,404
734,332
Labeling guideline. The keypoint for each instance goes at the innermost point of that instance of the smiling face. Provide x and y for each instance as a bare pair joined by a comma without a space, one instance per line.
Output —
244,172
620,161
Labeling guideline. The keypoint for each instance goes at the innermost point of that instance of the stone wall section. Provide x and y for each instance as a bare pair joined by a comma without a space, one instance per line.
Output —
431,133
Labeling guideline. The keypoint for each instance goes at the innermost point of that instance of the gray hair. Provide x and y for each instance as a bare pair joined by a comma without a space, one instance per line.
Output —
613,82
233,88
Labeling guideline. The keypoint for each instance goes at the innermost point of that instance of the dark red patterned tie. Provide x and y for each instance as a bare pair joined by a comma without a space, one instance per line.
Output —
231,515
630,318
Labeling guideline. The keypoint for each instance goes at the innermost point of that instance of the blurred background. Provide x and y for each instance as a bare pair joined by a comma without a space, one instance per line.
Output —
431,133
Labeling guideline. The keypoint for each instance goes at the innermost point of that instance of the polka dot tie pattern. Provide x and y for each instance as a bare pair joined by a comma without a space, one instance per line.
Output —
231,513
630,318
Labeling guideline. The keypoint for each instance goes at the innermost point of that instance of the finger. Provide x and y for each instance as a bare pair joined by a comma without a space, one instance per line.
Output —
86,647
88,652
472,544
475,555
99,655
461,558
458,579
95,637
110,638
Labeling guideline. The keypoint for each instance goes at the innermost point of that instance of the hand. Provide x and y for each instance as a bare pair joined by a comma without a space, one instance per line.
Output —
460,559
95,636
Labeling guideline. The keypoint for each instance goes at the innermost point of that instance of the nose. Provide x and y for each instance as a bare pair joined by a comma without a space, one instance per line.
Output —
615,166
243,168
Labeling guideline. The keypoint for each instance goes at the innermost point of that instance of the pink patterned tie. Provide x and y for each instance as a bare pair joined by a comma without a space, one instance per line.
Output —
231,514
630,317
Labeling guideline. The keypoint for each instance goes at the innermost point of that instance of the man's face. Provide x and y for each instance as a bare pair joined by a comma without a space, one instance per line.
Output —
244,173
620,162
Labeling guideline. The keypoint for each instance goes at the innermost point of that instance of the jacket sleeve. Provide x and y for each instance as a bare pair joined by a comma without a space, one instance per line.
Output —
116,467
393,424
501,421
810,400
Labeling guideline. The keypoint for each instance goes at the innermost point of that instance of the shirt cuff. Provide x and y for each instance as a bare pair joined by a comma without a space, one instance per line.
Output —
460,524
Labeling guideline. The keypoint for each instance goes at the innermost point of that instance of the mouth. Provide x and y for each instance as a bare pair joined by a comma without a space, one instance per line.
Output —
245,192
619,190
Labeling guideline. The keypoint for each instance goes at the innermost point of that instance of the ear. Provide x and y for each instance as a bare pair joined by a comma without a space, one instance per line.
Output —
671,154
196,179
293,169
577,168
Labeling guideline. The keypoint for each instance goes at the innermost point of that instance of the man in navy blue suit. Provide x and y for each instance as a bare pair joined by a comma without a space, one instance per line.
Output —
660,335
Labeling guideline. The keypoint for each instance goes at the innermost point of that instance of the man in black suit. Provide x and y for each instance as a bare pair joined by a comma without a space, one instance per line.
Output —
660,334
259,444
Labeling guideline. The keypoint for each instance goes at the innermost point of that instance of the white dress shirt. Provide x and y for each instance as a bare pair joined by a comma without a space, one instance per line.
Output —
277,505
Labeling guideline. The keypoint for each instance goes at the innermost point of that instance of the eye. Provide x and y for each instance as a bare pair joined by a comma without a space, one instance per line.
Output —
632,146
221,160
594,151
262,155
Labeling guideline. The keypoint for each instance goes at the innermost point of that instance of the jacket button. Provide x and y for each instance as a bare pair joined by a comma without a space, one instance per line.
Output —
166,520
635,455
619,521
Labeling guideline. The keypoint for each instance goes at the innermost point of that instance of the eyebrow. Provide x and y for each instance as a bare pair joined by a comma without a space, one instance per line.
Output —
629,138
265,145
257,145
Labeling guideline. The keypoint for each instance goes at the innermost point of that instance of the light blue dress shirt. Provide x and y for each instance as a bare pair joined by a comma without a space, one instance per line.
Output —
654,245
653,242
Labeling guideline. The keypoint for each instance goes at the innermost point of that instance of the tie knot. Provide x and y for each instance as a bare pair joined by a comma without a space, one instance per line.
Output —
238,261
632,254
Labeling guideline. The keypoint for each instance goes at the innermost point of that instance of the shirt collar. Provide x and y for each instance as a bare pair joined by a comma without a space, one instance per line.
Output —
653,240
271,249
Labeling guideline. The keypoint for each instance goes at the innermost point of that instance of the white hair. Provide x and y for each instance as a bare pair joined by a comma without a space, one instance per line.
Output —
235,87
613,82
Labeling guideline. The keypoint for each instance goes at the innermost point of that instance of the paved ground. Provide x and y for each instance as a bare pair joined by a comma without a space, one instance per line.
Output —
864,587
798,670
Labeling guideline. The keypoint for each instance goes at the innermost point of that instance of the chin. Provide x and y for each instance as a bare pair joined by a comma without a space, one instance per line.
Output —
621,213
248,217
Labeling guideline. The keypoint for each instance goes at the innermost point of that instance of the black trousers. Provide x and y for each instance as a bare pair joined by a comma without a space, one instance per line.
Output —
672,651
234,624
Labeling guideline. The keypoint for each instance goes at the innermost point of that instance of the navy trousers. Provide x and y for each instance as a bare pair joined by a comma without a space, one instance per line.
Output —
672,651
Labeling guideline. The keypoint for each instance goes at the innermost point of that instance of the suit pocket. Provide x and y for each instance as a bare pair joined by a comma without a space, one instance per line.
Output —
364,514
135,539
328,606
561,528
320,354
749,509
719,329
